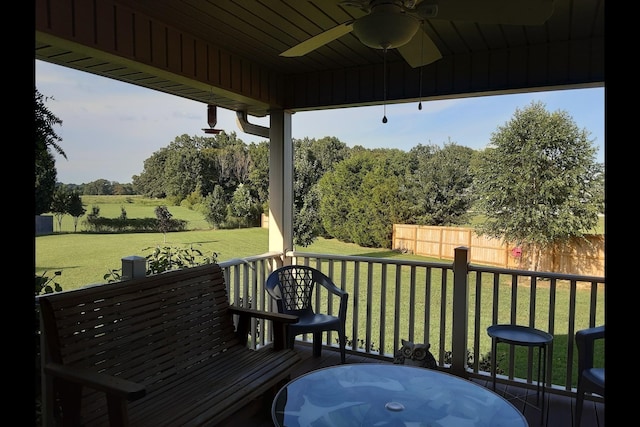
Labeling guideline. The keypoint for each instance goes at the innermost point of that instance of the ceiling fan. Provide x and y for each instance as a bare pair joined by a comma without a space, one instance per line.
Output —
394,24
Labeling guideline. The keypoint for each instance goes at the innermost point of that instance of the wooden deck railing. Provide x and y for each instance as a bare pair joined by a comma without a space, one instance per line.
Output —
447,304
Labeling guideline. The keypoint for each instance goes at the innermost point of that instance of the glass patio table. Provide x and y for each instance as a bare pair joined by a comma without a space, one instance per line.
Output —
374,394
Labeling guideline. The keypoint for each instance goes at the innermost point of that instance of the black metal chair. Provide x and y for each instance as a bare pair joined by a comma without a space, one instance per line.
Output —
292,287
590,377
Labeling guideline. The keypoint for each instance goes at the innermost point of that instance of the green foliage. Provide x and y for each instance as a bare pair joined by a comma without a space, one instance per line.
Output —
215,207
361,345
538,180
60,205
99,187
150,182
259,171
45,180
312,159
132,225
164,220
46,141
242,203
122,224
164,258
363,196
441,181
183,169
193,200
484,364
307,224
92,218
75,208
46,284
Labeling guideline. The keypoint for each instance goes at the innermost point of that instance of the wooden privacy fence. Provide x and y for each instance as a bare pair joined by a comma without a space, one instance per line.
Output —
578,256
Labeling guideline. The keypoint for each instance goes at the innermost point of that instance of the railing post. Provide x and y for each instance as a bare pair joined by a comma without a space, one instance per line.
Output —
133,267
460,311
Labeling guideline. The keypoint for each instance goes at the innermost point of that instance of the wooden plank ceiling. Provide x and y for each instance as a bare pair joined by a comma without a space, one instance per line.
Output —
227,52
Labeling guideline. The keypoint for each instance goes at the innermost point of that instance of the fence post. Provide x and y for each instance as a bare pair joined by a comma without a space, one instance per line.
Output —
460,311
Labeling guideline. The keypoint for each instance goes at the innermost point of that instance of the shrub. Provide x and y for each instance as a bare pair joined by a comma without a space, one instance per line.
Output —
133,225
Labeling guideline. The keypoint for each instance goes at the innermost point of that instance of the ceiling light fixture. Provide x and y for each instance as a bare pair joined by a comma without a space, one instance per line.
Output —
386,27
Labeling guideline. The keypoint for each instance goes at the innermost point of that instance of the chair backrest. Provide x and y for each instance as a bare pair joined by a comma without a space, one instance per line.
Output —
585,341
292,287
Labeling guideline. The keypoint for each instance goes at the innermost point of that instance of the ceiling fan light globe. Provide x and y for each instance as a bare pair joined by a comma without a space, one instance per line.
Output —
385,31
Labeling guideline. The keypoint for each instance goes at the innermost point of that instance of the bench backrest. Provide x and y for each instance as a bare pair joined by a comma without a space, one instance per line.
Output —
144,329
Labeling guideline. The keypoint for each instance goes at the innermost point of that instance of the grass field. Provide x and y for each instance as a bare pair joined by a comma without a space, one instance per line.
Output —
85,258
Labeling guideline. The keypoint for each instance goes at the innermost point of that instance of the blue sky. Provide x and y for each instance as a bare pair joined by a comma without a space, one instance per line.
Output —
110,128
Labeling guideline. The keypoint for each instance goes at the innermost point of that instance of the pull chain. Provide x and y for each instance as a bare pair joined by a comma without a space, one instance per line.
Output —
420,102
421,68
384,117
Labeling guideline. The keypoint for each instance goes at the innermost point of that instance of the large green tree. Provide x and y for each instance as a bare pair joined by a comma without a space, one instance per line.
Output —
151,182
441,181
538,181
311,159
364,195
46,143
259,173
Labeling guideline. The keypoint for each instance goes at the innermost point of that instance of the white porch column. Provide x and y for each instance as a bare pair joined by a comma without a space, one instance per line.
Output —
280,182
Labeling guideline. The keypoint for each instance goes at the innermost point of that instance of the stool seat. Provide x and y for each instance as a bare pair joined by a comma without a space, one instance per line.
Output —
519,335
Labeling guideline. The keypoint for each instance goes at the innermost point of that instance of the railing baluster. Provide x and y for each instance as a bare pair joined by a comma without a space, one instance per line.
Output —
397,308
412,303
383,306
369,308
494,299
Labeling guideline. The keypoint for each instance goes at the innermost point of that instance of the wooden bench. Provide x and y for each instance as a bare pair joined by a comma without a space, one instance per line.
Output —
158,351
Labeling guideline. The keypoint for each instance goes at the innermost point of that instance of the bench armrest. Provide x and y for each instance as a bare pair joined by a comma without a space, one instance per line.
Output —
117,390
109,384
280,323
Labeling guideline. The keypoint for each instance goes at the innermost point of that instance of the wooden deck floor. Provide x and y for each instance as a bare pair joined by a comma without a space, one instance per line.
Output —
559,413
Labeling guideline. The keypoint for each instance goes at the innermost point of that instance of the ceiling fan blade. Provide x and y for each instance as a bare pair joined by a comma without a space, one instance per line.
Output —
420,50
319,40
509,12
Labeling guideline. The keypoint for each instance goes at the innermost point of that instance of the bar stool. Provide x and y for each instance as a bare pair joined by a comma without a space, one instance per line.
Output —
523,336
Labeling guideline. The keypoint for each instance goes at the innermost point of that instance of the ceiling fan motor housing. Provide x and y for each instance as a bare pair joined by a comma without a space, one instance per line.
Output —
386,27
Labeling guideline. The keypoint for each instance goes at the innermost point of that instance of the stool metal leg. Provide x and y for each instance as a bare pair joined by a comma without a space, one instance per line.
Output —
494,344
544,379
538,386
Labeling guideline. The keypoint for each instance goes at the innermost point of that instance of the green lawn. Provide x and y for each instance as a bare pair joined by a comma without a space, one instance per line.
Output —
85,258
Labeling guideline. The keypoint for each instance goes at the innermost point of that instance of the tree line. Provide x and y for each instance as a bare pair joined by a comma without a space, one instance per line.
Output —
536,182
